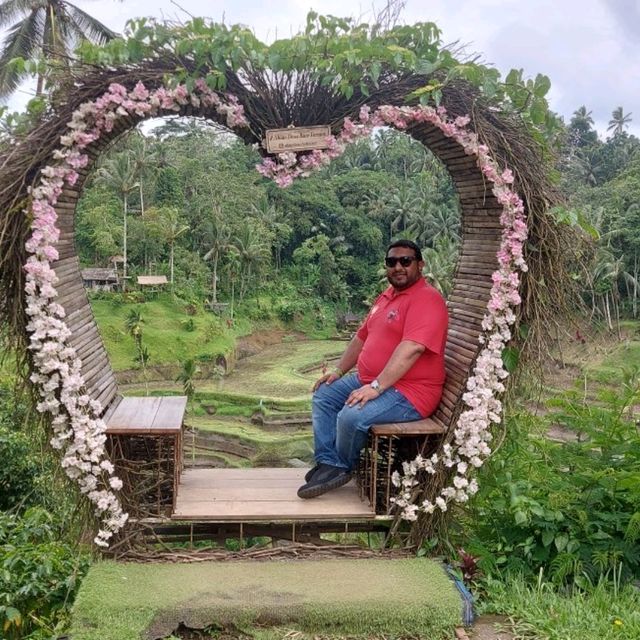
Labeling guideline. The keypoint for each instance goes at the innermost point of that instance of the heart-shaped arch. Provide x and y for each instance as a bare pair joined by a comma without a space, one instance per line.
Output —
72,370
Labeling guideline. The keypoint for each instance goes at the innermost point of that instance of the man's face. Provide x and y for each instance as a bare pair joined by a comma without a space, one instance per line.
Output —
401,276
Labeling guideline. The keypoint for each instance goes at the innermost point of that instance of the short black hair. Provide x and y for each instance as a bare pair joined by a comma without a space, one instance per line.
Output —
408,244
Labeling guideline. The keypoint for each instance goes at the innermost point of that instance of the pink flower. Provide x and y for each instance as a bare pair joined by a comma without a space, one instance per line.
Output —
139,92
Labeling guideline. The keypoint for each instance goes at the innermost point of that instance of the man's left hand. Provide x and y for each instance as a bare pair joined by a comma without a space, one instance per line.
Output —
361,396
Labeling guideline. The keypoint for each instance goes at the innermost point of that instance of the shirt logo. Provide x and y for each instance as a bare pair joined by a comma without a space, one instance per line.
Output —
393,315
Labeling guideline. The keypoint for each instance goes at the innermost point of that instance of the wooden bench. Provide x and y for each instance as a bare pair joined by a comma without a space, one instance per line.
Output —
144,440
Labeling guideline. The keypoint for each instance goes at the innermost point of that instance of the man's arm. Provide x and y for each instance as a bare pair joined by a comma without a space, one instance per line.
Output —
347,361
402,359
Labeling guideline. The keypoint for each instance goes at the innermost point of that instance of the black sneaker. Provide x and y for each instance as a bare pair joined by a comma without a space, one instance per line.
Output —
327,478
309,474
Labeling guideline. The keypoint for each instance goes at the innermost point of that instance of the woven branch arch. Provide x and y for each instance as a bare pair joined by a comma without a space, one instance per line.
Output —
272,103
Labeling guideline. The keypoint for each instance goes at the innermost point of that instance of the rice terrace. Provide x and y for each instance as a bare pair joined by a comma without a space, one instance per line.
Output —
332,335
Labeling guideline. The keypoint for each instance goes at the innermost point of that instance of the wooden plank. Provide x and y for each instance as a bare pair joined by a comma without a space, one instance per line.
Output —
134,414
151,415
419,427
236,495
171,412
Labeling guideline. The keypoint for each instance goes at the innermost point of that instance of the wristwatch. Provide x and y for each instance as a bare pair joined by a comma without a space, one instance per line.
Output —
375,385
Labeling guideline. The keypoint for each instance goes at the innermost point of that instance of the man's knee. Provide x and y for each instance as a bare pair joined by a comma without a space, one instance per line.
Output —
352,419
320,395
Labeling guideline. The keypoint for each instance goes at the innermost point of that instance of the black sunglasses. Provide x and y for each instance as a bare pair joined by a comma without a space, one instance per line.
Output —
405,261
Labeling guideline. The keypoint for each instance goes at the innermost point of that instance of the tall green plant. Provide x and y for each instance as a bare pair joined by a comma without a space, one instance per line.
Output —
571,507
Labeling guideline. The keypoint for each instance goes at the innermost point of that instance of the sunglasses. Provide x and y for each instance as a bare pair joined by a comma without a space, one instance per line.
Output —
405,261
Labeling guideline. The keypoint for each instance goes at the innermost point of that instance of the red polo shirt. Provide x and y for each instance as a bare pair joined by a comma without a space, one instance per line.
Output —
418,313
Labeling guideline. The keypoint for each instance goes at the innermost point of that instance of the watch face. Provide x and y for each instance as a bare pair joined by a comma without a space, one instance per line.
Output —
375,384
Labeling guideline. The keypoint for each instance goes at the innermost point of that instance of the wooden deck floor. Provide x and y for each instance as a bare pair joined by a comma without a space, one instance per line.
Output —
266,495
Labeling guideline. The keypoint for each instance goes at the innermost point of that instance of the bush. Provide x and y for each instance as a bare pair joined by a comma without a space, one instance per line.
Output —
20,467
572,507
39,575
18,472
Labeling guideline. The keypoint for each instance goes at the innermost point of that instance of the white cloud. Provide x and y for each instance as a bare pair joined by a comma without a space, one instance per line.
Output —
589,48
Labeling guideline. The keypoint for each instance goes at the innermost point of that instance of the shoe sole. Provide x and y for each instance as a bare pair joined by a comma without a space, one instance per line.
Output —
318,490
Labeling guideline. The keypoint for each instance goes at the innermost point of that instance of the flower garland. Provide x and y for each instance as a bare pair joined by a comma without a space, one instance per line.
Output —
76,422
472,432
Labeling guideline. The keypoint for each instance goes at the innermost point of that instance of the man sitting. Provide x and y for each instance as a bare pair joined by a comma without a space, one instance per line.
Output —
398,353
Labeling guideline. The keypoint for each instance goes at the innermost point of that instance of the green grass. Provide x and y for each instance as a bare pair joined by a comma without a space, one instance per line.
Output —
275,373
342,597
163,332
541,611
247,432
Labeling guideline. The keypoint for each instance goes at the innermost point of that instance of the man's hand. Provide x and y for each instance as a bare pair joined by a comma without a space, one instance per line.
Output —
361,396
328,378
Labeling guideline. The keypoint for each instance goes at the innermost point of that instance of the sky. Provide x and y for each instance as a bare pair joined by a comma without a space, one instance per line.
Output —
590,49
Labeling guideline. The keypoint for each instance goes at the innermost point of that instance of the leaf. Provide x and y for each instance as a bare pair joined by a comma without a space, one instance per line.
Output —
374,73
426,67
510,358
521,517
561,541
538,110
541,85
13,617
547,538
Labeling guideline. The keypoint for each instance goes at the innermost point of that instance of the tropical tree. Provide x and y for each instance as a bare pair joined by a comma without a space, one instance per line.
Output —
277,222
171,227
440,262
403,204
581,128
218,235
619,121
43,29
250,243
119,173
187,375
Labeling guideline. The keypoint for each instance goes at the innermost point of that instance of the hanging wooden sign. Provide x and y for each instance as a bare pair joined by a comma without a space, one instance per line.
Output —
298,138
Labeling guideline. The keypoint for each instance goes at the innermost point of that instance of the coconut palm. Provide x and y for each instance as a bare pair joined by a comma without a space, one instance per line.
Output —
251,244
404,203
619,121
277,221
218,234
49,29
119,173
171,227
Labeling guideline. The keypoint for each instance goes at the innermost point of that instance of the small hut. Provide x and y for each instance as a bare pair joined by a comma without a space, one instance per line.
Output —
100,279
152,284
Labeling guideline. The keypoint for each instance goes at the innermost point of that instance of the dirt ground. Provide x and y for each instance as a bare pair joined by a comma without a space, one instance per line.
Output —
489,628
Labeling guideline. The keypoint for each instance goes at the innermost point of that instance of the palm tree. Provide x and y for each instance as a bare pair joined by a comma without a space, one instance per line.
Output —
171,227
141,157
404,203
190,370
49,29
277,222
252,248
218,235
619,121
580,128
119,174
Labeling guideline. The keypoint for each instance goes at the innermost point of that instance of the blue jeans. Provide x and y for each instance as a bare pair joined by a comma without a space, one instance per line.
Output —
340,431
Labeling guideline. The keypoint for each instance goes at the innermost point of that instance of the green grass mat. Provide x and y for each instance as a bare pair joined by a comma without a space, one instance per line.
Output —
343,597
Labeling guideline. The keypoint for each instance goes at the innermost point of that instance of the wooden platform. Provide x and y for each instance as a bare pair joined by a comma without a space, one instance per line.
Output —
268,495
147,416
